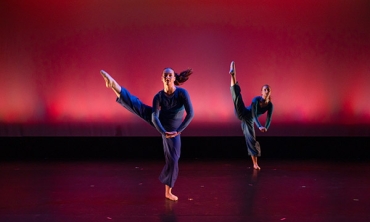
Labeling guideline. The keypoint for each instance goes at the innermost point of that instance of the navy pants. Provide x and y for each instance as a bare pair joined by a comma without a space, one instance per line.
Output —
247,124
171,146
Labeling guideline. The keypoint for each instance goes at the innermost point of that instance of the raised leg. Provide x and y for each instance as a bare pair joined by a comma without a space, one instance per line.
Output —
239,106
232,72
128,101
111,83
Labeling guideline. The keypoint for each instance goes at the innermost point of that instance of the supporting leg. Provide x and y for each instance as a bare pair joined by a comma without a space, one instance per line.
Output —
168,176
253,146
255,164
168,193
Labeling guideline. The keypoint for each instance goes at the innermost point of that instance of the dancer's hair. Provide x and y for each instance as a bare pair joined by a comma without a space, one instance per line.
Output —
182,77
267,86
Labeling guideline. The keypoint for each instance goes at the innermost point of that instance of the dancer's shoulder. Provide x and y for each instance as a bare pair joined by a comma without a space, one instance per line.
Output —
159,94
256,98
182,91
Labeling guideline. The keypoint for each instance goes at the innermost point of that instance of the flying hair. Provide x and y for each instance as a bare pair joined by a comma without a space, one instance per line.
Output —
182,77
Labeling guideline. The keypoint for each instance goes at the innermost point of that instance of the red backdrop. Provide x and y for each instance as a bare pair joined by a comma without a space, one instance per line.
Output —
315,55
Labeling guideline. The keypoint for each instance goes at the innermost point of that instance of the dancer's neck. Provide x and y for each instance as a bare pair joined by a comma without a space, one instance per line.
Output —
169,89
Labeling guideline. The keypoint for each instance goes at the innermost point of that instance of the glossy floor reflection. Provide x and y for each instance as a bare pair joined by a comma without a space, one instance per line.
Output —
208,190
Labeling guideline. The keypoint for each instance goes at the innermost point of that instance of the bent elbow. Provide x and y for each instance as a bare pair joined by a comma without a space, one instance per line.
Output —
190,115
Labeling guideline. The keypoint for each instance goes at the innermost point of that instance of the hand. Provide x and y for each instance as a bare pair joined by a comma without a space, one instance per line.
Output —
171,134
262,129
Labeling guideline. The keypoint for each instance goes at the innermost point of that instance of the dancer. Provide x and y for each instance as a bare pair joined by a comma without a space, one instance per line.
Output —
249,115
166,115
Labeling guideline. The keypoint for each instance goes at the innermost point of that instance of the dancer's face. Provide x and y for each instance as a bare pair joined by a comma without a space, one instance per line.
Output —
266,92
168,76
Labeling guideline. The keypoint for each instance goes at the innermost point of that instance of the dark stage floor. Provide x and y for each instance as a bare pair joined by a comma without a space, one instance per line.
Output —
222,189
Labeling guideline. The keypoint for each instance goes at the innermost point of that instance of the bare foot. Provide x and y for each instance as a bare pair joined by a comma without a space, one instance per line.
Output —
168,193
256,167
232,68
109,81
171,197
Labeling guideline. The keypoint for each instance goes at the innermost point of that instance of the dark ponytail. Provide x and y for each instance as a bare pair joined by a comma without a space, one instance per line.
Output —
182,77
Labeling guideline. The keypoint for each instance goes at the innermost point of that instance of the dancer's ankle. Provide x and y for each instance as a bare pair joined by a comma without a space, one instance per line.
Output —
232,68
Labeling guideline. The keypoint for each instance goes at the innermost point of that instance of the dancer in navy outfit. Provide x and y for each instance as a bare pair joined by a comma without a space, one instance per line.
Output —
249,115
166,115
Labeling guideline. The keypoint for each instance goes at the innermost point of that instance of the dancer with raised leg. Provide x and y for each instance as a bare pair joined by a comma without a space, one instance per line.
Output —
166,115
249,115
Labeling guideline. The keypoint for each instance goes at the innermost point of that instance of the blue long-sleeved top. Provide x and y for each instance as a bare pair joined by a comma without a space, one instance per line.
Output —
168,111
257,110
